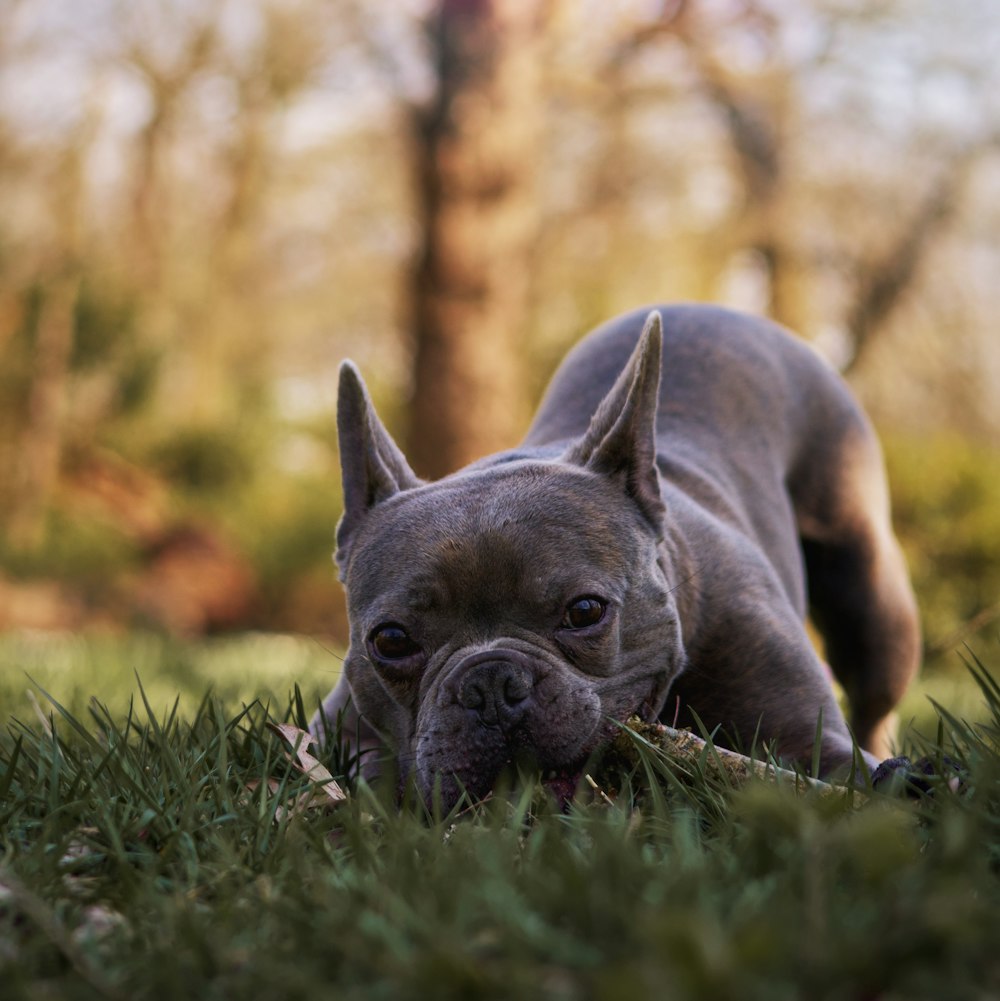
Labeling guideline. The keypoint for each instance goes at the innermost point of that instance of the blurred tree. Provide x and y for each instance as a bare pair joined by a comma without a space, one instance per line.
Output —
451,191
475,161
755,102
749,63
473,124
882,281
167,68
47,338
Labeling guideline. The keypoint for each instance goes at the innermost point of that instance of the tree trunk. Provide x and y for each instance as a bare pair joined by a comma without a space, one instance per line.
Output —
40,441
883,283
40,446
756,127
475,153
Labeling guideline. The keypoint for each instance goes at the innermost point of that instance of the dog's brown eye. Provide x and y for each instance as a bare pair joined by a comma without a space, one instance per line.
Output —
583,612
392,642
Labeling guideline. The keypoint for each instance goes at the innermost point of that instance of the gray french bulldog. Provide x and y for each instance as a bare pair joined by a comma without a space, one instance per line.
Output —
653,547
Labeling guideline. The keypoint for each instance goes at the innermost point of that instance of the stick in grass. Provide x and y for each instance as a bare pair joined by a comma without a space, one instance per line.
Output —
694,754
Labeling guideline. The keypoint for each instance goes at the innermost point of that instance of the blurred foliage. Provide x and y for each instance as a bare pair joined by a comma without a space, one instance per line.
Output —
102,324
945,499
84,551
287,530
208,460
204,207
107,341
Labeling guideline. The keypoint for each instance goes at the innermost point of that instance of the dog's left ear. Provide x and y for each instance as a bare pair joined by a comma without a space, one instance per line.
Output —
372,466
621,440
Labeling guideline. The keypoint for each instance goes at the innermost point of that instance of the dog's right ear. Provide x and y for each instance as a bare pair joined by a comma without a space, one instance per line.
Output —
621,439
372,466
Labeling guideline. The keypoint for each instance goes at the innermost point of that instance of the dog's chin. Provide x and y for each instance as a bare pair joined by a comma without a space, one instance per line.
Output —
560,776
448,789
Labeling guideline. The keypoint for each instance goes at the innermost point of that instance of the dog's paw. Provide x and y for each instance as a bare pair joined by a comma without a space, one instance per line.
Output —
917,778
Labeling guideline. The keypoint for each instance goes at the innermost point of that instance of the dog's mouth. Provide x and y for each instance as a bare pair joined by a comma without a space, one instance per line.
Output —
561,784
564,782
522,768
519,756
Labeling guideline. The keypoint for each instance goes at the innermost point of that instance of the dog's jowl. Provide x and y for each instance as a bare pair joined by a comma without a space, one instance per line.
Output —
694,484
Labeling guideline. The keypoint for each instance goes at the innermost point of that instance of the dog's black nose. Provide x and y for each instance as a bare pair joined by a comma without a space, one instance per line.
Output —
497,691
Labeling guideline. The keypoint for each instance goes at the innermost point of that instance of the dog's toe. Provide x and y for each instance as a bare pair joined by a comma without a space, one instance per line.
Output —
900,775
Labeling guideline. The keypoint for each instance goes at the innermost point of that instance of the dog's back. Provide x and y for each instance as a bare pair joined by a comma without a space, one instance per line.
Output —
750,420
757,433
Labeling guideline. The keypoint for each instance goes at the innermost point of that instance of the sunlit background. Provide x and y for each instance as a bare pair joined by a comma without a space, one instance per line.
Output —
206,204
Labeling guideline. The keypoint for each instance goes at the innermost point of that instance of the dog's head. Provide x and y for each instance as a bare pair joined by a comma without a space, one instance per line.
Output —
510,610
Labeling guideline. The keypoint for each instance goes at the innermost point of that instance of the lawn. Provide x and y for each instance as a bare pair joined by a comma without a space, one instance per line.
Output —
73,668
162,853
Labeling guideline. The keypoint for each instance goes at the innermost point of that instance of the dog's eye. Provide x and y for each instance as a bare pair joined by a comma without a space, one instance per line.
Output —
392,642
583,612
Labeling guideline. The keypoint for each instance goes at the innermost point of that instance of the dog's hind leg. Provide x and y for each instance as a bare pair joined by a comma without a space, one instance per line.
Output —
859,589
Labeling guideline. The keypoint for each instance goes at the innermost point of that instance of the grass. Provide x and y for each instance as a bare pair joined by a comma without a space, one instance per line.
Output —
159,852
76,666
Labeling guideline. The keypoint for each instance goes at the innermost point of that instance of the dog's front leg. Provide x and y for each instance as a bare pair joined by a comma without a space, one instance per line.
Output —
338,720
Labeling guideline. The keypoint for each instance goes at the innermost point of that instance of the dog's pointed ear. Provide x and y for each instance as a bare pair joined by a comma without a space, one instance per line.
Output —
372,466
621,439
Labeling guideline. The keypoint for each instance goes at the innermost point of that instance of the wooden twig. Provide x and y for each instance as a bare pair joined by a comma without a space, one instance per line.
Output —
691,752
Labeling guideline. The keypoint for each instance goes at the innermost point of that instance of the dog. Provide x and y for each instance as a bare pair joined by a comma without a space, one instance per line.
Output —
695,483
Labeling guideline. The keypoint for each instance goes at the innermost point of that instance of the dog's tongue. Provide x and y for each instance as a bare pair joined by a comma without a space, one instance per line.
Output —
562,785
562,789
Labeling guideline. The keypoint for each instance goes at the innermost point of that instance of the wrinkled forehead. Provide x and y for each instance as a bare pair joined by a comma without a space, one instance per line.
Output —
496,525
